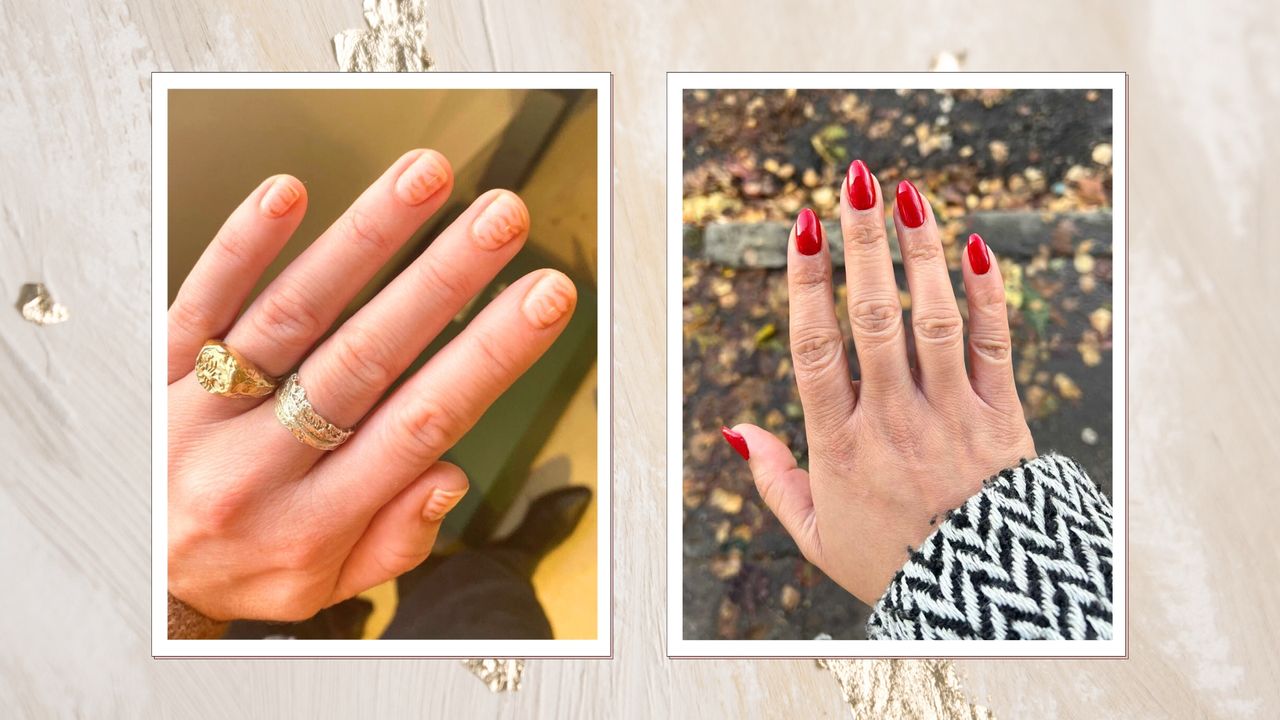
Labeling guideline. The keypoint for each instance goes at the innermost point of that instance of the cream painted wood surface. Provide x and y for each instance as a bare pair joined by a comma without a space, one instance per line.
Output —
75,432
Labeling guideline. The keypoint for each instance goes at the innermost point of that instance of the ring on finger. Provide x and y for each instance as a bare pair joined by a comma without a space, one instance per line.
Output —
222,371
294,411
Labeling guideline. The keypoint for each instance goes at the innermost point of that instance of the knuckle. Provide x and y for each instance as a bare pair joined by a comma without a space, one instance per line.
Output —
365,230
921,249
816,349
991,346
288,316
865,236
363,359
425,431
442,283
190,318
940,326
879,316
810,277
234,245
988,296
493,356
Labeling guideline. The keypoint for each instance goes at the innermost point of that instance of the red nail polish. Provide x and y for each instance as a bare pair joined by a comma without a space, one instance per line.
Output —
738,442
860,186
910,205
979,260
808,233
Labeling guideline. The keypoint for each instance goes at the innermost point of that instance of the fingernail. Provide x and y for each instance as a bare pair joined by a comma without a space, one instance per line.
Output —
910,205
281,196
422,179
808,233
979,259
861,188
500,222
440,502
736,441
549,299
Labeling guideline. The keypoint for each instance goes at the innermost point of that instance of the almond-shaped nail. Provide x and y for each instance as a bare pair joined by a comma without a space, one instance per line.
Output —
440,502
910,205
502,221
423,178
736,441
551,298
979,258
860,186
808,233
280,197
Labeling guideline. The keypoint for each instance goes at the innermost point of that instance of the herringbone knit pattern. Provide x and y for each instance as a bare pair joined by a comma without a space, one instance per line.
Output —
1029,557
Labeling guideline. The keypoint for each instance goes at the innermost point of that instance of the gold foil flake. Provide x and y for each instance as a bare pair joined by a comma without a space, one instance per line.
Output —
904,689
395,41
948,61
498,675
39,307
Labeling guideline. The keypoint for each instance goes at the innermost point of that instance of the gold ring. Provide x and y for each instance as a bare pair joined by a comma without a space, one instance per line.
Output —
294,411
223,371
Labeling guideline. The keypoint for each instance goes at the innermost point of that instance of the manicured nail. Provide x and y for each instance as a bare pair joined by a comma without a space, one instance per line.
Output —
808,233
860,186
738,442
910,205
979,259
281,196
500,222
440,502
423,178
550,298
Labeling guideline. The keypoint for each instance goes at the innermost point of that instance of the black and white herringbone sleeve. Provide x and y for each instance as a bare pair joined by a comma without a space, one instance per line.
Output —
1029,557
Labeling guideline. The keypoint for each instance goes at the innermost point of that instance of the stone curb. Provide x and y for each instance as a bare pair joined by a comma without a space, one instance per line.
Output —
1011,234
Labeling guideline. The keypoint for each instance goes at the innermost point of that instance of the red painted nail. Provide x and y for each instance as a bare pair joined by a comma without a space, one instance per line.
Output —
738,442
808,233
979,260
861,188
910,205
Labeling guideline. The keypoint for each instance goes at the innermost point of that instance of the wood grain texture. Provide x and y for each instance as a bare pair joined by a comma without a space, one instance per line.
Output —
75,431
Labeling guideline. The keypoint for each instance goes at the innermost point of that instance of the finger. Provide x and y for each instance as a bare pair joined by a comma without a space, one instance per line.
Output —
783,486
298,307
935,316
223,277
440,403
347,375
875,311
400,535
990,356
817,345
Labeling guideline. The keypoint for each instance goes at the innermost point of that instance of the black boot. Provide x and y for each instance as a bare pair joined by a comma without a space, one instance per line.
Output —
550,519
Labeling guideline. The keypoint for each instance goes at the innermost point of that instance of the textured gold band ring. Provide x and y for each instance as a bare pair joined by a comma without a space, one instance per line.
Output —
223,371
294,411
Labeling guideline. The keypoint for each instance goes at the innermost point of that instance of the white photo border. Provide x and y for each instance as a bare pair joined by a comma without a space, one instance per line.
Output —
677,645
599,647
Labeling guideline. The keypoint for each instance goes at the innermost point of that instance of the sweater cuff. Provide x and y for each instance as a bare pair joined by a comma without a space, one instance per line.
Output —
187,623
1028,557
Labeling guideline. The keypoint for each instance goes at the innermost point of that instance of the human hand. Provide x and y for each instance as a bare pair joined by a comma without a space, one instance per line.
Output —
263,526
890,454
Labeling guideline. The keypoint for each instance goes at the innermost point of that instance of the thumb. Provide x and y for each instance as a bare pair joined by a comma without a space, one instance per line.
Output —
401,534
783,486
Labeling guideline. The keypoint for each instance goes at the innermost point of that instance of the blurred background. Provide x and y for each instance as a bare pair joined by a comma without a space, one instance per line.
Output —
541,435
1030,170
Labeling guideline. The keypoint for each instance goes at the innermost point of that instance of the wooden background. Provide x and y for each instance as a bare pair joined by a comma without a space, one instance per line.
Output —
75,432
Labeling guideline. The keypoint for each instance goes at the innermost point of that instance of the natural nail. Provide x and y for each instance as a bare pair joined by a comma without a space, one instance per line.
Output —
500,222
549,299
979,258
808,233
440,502
860,186
422,179
736,440
281,196
910,205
